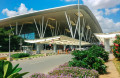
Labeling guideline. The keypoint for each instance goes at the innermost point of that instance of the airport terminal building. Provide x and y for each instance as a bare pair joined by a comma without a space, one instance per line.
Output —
57,26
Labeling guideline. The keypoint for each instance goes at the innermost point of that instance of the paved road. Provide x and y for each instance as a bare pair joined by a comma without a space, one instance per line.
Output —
43,64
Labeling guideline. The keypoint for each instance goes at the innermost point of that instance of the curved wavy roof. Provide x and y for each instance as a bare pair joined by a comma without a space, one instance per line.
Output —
56,13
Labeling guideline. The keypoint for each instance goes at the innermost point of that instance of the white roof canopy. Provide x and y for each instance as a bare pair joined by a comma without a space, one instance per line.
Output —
102,36
60,40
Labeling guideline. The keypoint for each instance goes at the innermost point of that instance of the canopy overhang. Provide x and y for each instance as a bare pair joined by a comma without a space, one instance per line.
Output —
110,36
59,40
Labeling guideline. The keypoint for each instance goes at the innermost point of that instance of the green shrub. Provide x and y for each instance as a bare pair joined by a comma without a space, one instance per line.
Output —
79,54
87,59
99,52
116,46
20,55
8,71
116,51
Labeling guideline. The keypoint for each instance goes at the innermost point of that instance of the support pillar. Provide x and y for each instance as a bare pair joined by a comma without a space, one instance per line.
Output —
16,28
71,46
107,44
55,47
39,47
64,47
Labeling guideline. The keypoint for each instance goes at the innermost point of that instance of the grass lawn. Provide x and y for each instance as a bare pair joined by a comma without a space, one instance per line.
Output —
117,64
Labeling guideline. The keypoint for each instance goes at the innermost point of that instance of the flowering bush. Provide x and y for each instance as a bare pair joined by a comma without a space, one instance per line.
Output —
68,72
63,71
64,65
116,47
87,59
74,72
41,75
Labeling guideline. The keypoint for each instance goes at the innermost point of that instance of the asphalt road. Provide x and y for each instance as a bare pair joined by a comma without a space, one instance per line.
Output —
43,64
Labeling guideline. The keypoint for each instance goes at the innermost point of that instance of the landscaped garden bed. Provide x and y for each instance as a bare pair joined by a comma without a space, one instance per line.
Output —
29,57
20,55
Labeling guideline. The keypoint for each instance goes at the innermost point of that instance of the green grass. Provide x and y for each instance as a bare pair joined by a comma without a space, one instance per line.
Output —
117,64
37,55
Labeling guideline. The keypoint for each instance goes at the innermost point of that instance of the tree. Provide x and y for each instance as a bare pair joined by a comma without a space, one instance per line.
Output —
4,40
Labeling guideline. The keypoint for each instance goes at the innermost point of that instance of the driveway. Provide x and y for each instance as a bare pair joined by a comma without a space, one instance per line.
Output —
43,64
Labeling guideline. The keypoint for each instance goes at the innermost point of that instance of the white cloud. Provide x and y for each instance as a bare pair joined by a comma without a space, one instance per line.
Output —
21,10
115,10
9,13
107,24
111,11
107,12
100,4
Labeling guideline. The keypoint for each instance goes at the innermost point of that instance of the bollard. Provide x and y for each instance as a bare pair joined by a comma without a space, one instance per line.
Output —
66,51
58,51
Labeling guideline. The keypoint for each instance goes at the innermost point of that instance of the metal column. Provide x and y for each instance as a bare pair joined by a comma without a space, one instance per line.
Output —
16,28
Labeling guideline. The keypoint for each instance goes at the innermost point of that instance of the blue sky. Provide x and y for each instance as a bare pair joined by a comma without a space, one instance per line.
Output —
35,4
107,12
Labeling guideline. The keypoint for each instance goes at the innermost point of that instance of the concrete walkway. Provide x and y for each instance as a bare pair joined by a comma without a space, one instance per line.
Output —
112,71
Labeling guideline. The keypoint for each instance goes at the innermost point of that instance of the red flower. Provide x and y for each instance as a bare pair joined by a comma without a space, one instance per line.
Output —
116,45
117,52
116,48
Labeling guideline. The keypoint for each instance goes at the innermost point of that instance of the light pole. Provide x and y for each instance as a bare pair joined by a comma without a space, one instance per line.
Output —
79,24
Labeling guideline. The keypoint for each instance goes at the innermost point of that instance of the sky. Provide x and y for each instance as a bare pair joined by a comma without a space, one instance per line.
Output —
107,12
